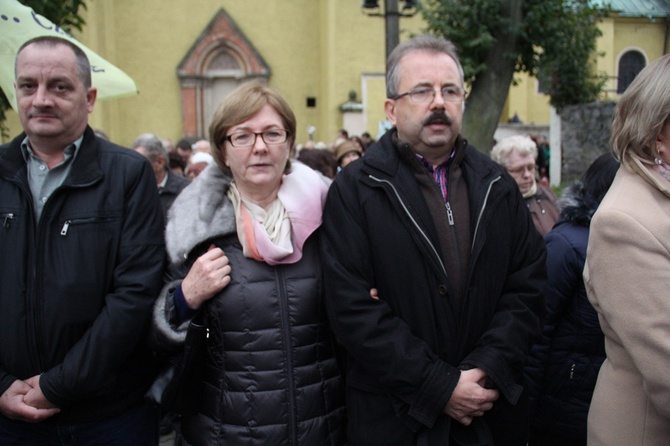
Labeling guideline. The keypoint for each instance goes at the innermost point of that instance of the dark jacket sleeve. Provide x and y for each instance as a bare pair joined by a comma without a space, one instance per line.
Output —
373,336
92,364
518,288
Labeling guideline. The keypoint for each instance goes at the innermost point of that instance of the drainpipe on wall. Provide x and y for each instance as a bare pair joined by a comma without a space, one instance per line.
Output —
667,32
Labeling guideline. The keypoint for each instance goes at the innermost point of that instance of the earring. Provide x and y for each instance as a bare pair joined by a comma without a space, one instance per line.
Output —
658,161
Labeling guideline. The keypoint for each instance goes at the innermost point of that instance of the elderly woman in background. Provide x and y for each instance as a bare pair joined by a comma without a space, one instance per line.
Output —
518,154
627,271
243,245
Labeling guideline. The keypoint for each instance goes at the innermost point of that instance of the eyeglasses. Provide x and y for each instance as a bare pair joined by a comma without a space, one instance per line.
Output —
248,139
424,95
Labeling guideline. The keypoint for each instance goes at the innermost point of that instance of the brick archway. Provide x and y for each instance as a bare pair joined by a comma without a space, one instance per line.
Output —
219,59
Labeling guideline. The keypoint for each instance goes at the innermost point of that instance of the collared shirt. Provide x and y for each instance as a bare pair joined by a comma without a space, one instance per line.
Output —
440,173
162,184
42,180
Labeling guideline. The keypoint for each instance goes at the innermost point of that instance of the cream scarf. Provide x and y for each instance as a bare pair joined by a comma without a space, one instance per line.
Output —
277,235
532,191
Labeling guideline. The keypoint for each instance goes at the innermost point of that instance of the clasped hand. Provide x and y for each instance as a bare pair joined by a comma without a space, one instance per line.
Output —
24,401
209,274
470,398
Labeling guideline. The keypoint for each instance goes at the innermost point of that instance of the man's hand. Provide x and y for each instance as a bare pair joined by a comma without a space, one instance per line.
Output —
14,406
35,397
470,399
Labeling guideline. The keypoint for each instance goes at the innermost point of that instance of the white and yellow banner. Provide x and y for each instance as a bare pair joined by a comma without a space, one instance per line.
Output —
19,23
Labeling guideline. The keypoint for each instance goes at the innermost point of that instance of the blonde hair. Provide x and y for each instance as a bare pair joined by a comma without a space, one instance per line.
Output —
641,114
243,103
522,144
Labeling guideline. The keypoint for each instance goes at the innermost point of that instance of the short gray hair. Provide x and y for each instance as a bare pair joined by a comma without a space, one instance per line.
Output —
423,42
153,146
83,64
521,143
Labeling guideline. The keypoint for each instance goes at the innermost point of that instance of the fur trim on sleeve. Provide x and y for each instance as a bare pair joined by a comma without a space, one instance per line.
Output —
165,317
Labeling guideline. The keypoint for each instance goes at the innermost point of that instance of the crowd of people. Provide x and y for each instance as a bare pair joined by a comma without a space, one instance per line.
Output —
407,291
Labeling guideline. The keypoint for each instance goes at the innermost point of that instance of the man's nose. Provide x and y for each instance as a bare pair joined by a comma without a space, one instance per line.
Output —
42,97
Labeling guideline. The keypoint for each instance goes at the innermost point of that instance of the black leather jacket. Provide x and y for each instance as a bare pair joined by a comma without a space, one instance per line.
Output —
77,287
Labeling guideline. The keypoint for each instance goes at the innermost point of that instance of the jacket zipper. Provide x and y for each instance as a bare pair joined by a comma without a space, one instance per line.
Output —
288,349
450,214
416,225
6,219
66,225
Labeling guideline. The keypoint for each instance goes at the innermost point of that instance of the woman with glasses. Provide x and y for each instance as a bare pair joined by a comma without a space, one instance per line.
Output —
242,241
517,154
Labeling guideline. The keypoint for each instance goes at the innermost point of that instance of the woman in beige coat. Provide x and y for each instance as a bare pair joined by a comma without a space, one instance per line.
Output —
627,271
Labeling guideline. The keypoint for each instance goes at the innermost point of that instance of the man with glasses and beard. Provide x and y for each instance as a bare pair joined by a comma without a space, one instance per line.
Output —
434,354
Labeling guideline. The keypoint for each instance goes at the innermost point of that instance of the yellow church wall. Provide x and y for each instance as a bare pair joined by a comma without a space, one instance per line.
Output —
319,49
150,39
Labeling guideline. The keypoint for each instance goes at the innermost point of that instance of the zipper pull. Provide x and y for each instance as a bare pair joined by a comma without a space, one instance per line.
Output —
572,371
8,217
450,214
66,226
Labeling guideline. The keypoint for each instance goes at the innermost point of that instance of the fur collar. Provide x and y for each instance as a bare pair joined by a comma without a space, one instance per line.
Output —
200,212
574,206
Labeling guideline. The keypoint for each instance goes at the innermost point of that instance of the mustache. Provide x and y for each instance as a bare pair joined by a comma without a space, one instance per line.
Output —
42,112
438,117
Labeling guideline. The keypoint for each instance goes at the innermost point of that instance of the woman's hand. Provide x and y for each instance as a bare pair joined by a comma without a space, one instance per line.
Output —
209,274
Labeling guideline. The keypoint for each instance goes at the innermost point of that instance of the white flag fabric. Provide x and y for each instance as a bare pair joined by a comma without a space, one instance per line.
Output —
19,23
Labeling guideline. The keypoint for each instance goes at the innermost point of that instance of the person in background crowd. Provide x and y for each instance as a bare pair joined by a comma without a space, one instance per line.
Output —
322,161
176,164
82,243
199,161
346,152
169,184
367,140
517,154
202,146
435,355
243,245
184,148
359,142
542,160
101,134
564,362
168,145
626,272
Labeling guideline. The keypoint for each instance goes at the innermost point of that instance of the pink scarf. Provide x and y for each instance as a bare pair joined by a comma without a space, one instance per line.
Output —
277,236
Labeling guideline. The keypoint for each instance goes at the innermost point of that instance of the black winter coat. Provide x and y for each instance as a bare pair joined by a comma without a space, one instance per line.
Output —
564,363
270,375
77,288
404,350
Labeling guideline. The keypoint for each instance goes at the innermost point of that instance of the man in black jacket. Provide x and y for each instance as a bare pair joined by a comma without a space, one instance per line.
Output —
82,248
442,233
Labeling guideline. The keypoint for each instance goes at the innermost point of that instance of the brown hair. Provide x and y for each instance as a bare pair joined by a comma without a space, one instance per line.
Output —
243,103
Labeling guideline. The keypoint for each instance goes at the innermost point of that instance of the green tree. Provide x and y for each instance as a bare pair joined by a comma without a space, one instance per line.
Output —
63,13
553,40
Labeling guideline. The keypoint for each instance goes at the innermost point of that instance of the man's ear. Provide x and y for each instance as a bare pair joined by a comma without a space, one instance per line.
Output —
389,108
